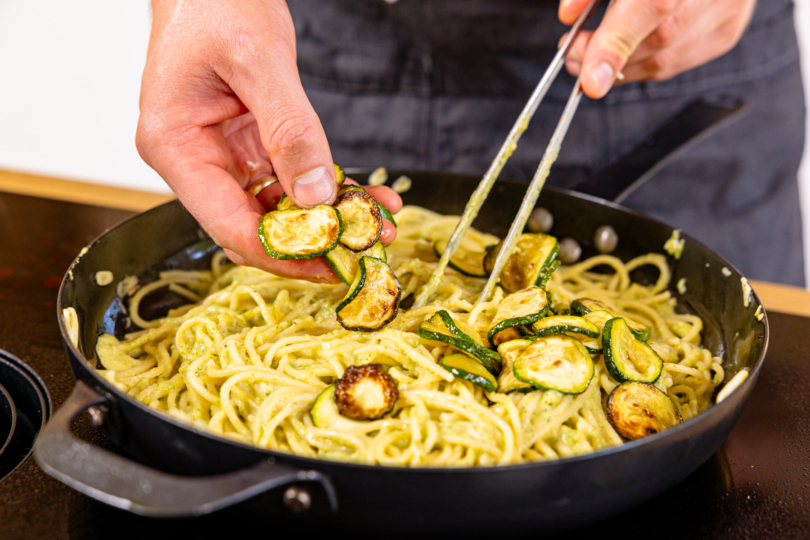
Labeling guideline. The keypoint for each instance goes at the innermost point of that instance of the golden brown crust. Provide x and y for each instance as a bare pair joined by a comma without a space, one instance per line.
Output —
360,230
365,392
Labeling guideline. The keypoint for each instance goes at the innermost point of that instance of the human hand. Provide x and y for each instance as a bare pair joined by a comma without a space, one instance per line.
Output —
652,40
222,107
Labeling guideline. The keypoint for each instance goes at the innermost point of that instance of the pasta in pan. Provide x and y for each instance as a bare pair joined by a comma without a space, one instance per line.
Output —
250,355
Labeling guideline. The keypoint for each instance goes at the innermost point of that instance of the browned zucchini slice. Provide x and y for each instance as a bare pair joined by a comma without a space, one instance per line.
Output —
325,413
469,263
518,309
627,358
509,351
340,175
345,262
300,234
286,203
365,392
441,326
637,410
585,306
530,264
373,297
362,220
557,362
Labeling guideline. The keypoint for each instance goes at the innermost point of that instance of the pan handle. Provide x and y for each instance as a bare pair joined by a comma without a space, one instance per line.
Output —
695,122
125,484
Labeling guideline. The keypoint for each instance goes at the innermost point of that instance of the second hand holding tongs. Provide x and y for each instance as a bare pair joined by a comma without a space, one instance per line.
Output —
482,191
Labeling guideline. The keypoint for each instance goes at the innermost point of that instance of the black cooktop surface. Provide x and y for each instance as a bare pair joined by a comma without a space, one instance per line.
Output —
756,486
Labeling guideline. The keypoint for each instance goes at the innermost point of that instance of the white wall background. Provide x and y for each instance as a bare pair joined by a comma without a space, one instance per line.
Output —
69,81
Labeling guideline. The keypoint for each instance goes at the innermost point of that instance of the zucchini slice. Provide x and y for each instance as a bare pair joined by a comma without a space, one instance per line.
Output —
300,234
627,358
599,318
442,327
469,369
286,203
362,220
340,174
557,362
326,415
531,262
637,410
509,351
523,307
345,262
386,214
583,306
469,263
373,297
365,392
563,324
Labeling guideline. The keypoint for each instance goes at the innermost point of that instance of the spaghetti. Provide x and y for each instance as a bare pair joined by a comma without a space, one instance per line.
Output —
249,356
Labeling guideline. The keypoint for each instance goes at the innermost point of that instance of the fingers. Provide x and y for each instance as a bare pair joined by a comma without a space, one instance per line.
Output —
624,27
571,9
266,80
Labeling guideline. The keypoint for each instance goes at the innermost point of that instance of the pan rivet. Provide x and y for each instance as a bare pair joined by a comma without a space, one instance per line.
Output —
570,251
96,416
605,239
297,500
541,220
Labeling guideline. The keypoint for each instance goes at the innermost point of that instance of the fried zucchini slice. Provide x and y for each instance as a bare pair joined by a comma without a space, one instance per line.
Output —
286,203
325,413
442,327
469,369
386,214
345,262
509,351
373,298
565,324
557,362
636,410
530,264
469,263
365,392
340,174
300,234
627,358
362,220
584,306
518,309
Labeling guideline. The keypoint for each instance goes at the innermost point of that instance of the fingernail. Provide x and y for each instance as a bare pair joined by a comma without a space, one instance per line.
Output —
315,187
603,76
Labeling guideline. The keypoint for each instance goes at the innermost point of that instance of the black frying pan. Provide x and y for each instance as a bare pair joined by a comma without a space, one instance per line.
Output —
545,496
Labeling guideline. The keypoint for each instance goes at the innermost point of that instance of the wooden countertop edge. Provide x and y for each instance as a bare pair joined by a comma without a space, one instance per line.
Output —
775,297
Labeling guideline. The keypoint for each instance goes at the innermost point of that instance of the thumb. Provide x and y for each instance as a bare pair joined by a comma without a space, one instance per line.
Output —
291,133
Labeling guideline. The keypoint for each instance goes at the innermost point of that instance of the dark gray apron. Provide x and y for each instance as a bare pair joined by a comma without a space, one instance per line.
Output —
437,84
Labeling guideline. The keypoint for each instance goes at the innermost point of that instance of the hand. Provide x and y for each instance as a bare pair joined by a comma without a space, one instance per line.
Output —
222,107
652,40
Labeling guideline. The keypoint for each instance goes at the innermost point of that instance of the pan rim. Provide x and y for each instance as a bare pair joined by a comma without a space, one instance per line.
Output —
114,393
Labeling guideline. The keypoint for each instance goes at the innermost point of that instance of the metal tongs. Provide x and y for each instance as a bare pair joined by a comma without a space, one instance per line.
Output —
482,191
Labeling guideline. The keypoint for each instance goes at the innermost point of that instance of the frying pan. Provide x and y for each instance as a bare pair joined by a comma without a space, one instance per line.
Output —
174,469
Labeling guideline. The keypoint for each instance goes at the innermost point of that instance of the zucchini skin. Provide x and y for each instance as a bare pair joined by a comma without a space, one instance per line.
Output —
563,328
611,355
461,341
355,288
292,256
386,214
